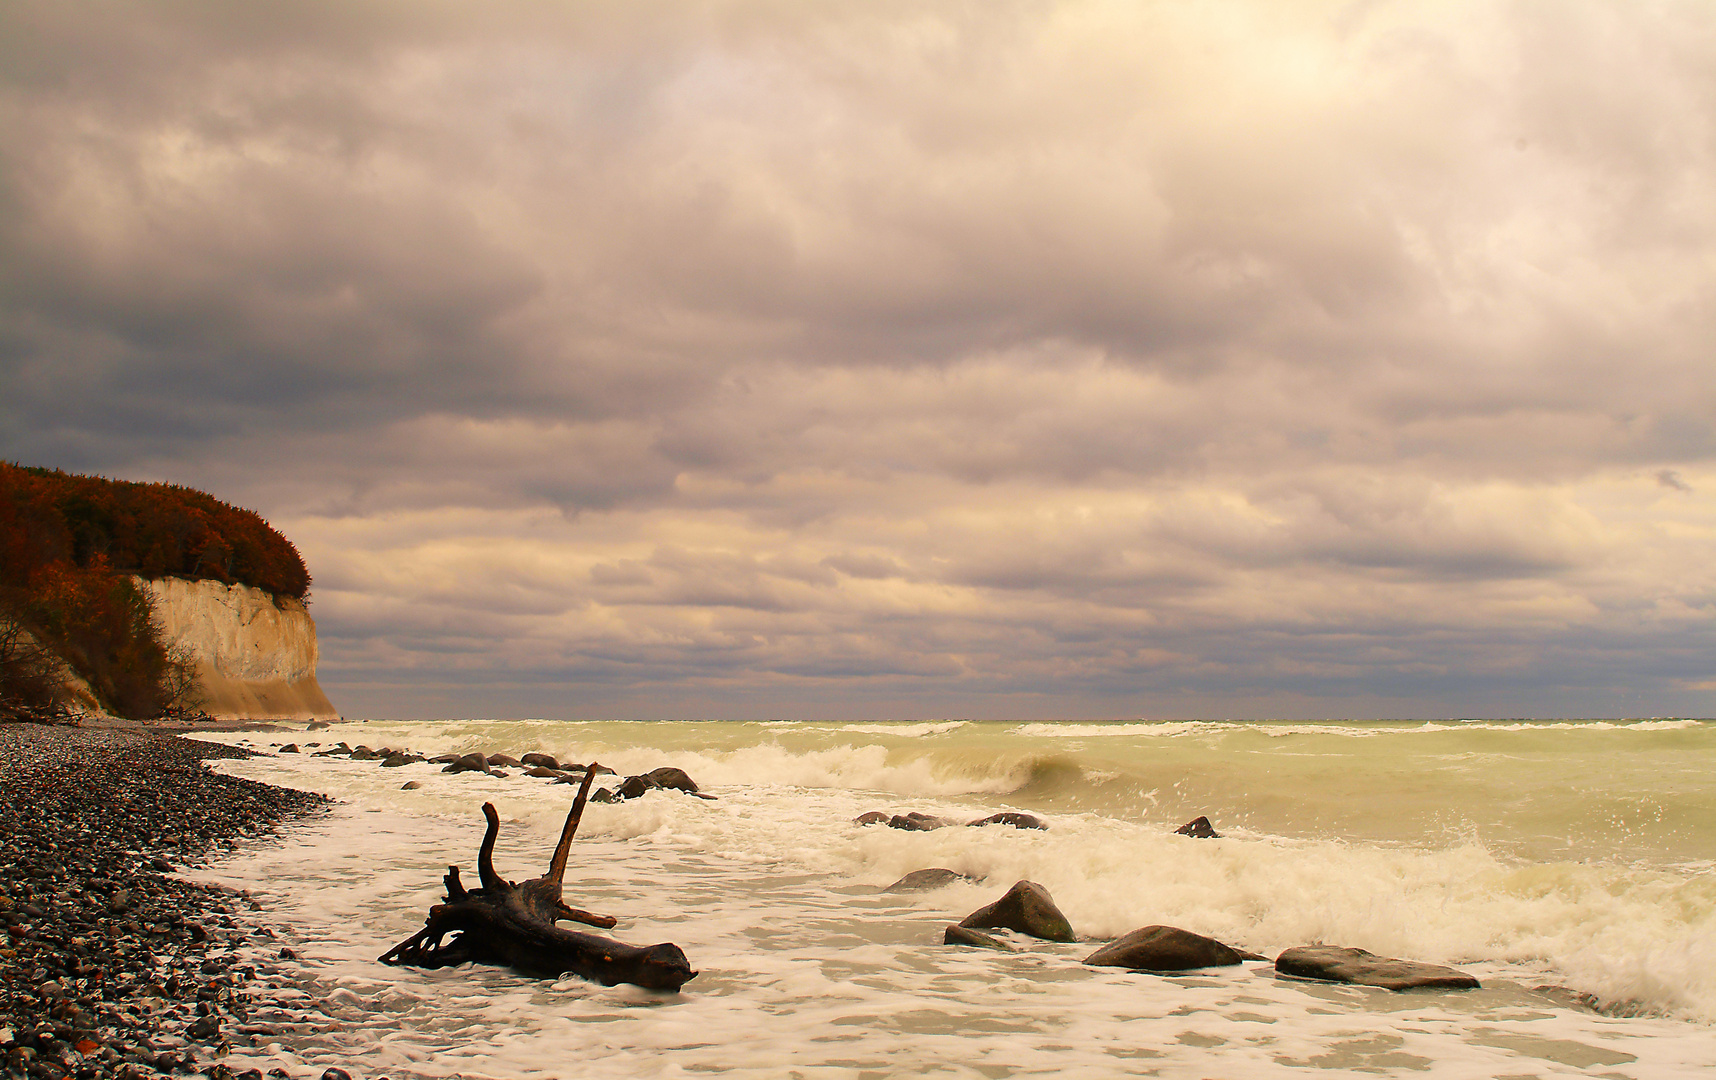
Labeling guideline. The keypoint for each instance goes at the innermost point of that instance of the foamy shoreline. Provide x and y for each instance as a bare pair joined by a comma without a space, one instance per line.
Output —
774,895
115,966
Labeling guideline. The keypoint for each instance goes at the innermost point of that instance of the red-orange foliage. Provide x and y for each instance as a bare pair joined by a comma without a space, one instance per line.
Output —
68,545
48,517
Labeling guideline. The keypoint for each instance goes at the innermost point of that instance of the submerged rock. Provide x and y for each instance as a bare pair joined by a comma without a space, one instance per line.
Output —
1332,963
541,771
1166,948
1199,827
916,822
924,880
289,748
964,935
871,817
1010,817
1027,908
411,785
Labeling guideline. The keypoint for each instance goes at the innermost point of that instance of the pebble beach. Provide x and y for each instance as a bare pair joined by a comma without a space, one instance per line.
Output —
111,965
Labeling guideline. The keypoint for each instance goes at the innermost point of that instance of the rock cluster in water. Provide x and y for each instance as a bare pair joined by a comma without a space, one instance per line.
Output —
110,966
914,821
535,765
1027,908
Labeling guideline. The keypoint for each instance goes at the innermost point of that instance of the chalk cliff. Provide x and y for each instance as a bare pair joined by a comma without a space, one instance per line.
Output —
256,657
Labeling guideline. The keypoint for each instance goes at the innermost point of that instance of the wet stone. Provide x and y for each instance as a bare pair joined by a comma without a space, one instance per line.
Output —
1331,963
913,821
934,877
117,956
1027,908
1010,817
965,935
1200,828
1167,948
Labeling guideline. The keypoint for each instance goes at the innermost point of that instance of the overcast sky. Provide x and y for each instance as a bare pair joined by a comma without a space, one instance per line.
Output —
870,359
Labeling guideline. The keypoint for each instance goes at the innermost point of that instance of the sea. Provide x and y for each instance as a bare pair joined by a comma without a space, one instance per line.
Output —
1569,865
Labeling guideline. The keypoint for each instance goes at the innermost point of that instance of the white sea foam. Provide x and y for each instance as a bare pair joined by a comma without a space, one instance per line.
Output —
772,892
1152,729
1351,730
907,731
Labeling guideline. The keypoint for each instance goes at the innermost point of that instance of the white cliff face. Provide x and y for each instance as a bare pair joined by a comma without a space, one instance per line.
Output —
256,658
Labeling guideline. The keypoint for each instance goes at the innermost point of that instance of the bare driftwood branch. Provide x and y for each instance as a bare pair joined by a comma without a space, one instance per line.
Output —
513,924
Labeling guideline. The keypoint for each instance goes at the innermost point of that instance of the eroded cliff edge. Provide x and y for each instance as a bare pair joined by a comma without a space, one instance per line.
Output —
148,601
255,654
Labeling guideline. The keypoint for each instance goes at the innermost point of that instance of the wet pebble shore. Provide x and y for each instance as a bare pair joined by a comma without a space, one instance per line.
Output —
109,966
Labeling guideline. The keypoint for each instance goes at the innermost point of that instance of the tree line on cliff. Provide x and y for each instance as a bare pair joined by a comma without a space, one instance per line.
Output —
69,546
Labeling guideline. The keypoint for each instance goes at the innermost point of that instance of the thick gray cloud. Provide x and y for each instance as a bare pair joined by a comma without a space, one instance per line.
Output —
1020,359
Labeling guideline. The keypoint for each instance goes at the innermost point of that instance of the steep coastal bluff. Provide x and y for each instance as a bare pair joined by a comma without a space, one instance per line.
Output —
148,601
255,655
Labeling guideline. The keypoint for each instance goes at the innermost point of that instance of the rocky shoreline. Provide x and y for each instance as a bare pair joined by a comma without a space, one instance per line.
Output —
110,966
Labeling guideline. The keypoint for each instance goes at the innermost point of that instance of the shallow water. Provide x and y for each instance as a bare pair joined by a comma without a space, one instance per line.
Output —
1574,854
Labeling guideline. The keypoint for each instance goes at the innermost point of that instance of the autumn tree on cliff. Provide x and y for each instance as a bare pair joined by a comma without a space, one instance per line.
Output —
68,547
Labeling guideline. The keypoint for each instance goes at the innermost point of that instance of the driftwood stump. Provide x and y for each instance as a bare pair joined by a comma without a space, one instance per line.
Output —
513,924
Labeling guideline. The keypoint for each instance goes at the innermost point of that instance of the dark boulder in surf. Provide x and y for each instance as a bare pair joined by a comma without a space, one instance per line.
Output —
1331,963
544,761
1027,908
394,761
541,771
603,795
873,817
469,763
666,778
669,777
506,760
634,786
916,822
964,935
1199,827
924,880
1167,948
1010,817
